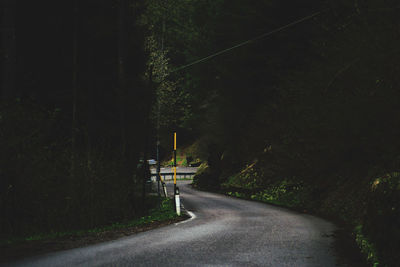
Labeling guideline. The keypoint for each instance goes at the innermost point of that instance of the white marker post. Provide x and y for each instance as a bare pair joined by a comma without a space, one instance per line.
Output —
163,185
176,189
177,202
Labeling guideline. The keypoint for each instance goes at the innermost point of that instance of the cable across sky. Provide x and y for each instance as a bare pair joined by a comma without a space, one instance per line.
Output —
247,42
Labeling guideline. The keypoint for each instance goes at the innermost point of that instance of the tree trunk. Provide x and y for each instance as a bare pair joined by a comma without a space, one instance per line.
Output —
146,134
74,86
9,50
121,73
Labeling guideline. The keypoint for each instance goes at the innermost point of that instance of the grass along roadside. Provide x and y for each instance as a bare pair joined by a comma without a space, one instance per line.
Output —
18,248
186,156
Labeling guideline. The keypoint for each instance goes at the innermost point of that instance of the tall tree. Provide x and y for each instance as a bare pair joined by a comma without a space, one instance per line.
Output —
8,50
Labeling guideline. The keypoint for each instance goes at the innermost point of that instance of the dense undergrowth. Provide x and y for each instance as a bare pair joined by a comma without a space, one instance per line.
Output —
38,191
371,210
162,212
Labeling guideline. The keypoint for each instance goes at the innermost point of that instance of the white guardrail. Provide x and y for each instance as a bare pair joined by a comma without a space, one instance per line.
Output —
167,176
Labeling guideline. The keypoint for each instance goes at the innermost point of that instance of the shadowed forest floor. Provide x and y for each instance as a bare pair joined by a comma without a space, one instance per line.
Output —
33,248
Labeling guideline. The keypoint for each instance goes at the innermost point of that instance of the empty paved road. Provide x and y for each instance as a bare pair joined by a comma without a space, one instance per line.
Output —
225,232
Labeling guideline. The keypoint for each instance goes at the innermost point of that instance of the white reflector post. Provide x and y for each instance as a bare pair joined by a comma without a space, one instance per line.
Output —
165,189
177,202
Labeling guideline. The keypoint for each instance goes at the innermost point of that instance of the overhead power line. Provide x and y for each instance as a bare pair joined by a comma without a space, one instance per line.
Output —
247,42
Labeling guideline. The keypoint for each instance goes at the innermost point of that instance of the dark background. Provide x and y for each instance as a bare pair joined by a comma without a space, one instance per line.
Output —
314,105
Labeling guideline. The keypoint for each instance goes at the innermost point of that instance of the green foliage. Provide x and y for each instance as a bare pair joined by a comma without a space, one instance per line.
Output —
383,216
170,28
205,178
249,178
366,246
283,194
165,211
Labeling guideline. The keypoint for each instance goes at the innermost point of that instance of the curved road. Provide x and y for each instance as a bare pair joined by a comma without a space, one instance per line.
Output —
224,232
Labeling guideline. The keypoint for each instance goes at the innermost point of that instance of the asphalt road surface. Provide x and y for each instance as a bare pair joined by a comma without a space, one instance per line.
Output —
223,231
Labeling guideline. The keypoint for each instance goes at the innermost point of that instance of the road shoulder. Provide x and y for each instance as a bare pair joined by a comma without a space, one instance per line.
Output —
26,249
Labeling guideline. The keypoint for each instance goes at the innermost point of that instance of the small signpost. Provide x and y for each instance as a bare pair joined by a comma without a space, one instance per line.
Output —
159,178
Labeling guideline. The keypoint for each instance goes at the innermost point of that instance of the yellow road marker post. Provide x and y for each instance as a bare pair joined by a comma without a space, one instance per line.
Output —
174,160
176,189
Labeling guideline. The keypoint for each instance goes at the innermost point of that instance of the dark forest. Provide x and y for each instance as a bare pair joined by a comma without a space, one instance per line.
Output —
294,103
